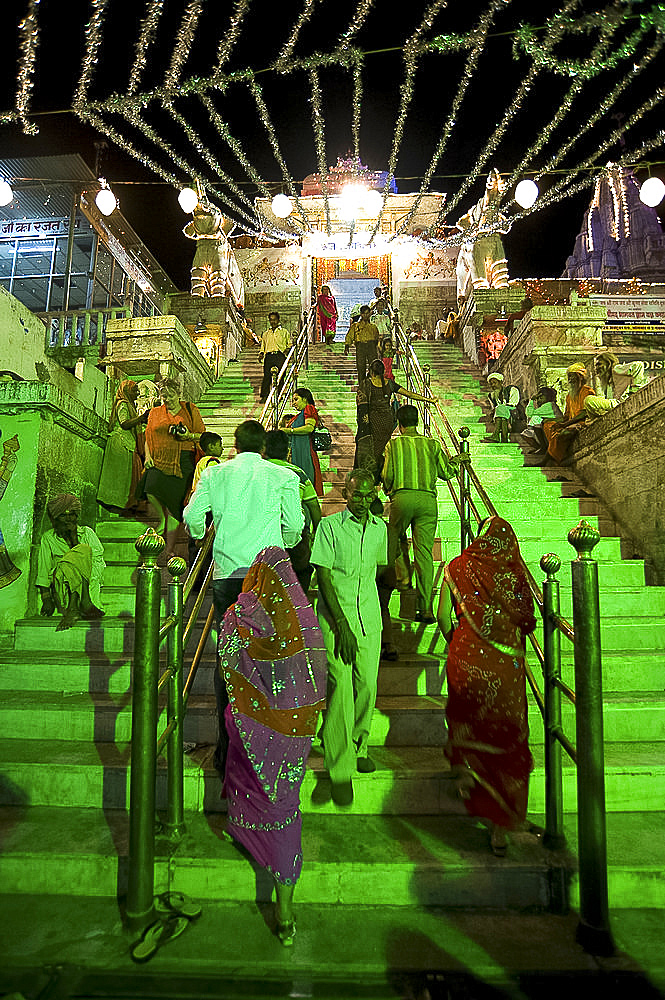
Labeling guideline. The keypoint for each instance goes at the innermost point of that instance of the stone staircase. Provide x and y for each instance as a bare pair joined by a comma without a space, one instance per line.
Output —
65,715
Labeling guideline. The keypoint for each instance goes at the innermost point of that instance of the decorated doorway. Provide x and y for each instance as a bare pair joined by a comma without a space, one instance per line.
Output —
352,282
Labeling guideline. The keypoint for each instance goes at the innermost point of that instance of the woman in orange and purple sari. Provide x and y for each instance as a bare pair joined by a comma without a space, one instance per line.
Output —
485,610
273,661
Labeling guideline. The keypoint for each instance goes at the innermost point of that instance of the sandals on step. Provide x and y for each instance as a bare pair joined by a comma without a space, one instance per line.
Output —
156,935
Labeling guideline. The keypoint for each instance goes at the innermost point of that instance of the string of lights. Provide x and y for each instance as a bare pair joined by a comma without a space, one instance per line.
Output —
616,33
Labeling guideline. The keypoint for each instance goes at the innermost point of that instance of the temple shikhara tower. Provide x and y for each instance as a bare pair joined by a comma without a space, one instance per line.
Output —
620,236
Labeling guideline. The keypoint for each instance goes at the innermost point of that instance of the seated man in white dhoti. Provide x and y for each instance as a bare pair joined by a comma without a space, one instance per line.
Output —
70,565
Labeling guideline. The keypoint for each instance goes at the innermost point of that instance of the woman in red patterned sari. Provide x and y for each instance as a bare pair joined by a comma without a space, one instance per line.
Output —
485,610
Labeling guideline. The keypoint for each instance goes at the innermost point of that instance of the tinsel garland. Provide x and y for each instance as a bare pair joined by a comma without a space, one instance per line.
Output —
284,56
480,37
183,43
319,140
93,41
149,26
539,44
28,45
232,35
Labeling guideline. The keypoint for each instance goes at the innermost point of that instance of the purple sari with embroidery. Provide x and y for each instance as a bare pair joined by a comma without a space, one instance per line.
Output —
274,665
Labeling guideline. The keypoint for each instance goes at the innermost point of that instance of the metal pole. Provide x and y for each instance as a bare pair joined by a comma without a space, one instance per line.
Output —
464,491
275,402
593,929
175,818
143,772
426,392
554,836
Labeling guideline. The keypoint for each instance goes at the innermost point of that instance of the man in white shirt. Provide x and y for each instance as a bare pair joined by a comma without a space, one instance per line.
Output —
254,504
275,344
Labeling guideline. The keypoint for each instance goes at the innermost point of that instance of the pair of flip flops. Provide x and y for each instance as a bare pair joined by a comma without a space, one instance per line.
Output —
174,912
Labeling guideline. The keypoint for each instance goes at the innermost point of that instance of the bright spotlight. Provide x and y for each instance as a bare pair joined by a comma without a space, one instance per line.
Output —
188,199
352,201
373,203
526,193
6,194
105,200
281,206
652,192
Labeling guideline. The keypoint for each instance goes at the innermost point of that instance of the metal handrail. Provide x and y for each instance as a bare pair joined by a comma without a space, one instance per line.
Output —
285,381
593,930
148,682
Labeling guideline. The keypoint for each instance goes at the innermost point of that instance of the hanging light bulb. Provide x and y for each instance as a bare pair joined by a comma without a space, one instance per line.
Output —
188,199
526,193
652,191
105,200
281,206
6,193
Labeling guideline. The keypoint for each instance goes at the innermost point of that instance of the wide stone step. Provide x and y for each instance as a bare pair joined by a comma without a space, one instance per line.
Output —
422,861
615,634
408,780
399,720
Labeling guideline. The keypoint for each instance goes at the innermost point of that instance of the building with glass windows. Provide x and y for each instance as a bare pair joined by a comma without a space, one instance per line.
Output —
58,253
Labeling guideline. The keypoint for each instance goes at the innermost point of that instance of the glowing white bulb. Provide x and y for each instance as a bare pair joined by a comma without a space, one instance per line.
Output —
281,206
373,203
188,199
106,201
652,192
526,193
6,193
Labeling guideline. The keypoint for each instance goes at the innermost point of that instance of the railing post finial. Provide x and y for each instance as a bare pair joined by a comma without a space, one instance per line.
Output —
550,563
584,538
176,567
149,546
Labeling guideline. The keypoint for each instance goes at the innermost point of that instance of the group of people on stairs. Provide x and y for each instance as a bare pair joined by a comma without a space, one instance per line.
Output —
541,422
281,660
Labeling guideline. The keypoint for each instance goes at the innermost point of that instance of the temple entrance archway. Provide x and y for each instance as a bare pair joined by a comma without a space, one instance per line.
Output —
351,282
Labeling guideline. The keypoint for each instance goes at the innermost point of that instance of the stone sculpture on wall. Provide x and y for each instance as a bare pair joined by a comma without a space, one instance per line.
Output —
8,571
210,267
482,260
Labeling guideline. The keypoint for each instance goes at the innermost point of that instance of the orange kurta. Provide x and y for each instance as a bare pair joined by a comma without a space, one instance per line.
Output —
557,445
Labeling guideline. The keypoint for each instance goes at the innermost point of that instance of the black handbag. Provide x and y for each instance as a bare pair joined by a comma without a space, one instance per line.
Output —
321,438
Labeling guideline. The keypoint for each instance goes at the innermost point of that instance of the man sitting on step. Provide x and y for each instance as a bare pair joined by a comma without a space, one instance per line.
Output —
411,467
70,565
349,547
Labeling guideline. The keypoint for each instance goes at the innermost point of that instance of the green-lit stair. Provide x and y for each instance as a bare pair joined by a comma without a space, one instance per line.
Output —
66,699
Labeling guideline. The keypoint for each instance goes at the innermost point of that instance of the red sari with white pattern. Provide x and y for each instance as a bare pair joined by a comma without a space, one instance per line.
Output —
487,709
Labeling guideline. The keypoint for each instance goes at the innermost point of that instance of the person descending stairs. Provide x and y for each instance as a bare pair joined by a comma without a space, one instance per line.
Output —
405,842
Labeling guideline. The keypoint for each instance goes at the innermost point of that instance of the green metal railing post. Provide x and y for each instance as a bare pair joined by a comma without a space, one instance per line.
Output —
140,887
554,836
427,430
275,401
464,491
593,929
175,819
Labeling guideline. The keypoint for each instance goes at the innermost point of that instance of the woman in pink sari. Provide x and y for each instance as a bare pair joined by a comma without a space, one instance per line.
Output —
327,310
485,611
273,662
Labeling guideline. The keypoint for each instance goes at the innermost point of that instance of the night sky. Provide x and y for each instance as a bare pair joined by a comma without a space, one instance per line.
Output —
536,247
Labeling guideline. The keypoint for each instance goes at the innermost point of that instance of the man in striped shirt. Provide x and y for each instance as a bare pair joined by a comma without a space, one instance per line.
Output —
411,467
